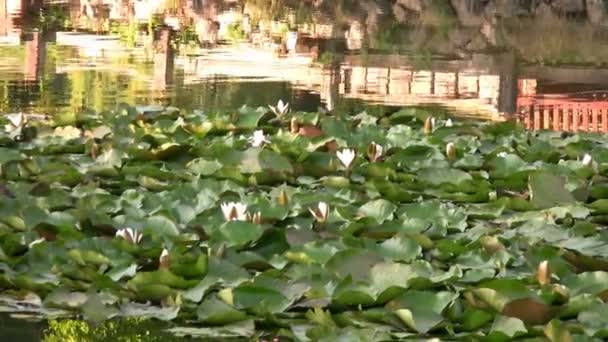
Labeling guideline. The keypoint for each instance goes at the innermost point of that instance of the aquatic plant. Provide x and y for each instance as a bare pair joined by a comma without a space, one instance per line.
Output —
469,231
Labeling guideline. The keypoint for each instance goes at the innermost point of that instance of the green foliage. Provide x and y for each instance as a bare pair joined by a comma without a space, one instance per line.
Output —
127,32
499,240
53,17
187,36
235,32
123,330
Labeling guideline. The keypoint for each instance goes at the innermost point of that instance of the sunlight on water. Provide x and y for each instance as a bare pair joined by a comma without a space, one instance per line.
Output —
60,57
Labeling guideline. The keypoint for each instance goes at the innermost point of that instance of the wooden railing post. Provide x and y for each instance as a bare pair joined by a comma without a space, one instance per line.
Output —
586,113
556,118
546,118
595,122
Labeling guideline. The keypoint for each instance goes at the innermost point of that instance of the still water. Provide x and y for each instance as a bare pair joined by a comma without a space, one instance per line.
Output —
66,57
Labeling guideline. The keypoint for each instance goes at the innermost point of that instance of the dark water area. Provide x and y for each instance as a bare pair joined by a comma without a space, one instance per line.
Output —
20,329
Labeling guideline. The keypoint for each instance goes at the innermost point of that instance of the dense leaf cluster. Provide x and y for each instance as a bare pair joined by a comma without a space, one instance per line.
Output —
500,239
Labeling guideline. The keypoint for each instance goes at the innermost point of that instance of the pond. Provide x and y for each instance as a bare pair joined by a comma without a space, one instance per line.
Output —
67,57
142,114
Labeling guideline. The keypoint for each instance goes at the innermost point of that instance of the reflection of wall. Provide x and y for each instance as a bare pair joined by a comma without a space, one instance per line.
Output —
14,14
403,85
488,88
9,11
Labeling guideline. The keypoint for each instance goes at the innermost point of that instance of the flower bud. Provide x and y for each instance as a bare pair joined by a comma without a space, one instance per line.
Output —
374,152
294,126
543,274
163,260
450,151
283,199
428,125
257,218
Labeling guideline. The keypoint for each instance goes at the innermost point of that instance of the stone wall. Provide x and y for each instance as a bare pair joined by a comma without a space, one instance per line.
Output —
473,12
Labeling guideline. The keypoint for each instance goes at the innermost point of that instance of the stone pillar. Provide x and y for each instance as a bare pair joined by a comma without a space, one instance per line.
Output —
330,88
508,87
163,59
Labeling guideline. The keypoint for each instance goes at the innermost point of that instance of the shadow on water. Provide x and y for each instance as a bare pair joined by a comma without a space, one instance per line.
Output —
20,330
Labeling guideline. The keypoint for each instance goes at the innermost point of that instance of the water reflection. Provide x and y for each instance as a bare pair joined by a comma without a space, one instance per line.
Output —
167,52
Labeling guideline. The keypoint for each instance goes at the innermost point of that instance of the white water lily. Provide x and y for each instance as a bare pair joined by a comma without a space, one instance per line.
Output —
234,211
256,218
543,274
321,212
502,154
258,139
15,121
280,109
429,125
587,159
449,123
346,157
450,151
374,151
130,234
164,261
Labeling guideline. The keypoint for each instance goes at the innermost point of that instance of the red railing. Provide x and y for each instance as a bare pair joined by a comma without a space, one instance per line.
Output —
587,112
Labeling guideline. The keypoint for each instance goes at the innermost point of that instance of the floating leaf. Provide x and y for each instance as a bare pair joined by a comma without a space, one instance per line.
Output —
509,326
421,311
214,311
381,210
547,190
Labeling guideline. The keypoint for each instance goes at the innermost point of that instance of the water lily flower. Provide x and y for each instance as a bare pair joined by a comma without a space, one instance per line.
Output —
374,151
15,121
543,275
587,159
429,125
130,234
449,123
346,157
163,260
234,211
283,198
321,212
294,126
281,108
258,139
502,154
450,151
257,218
